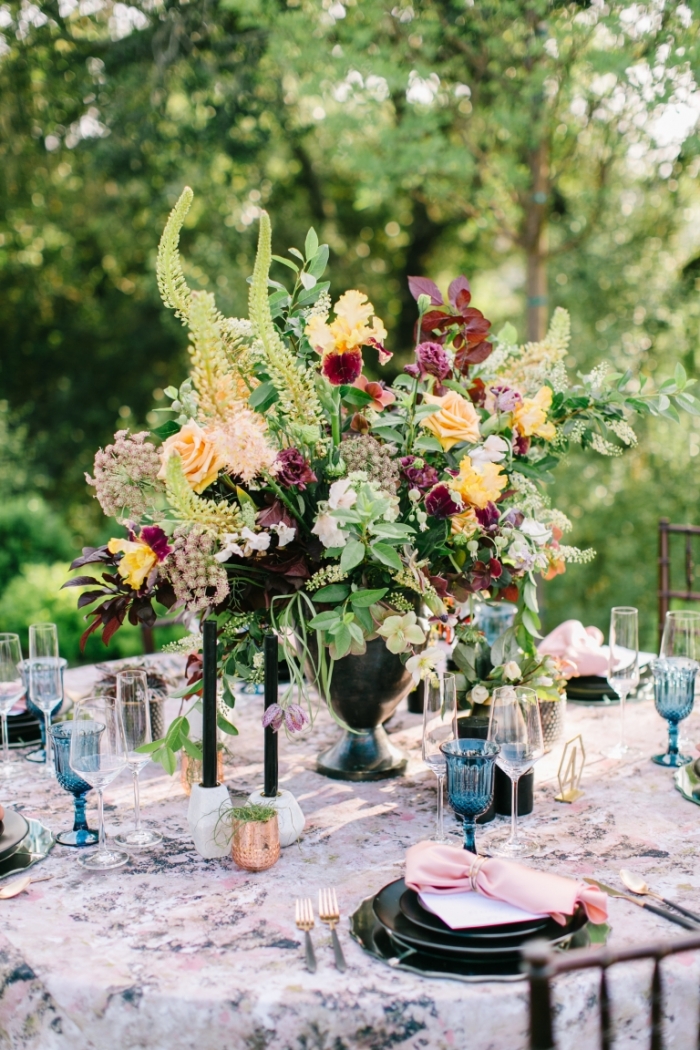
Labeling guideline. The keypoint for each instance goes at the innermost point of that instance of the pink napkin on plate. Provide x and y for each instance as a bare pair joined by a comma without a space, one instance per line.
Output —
580,646
433,868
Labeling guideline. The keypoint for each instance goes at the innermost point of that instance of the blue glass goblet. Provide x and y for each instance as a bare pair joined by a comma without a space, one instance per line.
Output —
39,754
470,766
81,835
674,695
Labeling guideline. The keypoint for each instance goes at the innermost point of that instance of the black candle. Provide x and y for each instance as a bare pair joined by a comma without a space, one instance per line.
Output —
271,671
209,705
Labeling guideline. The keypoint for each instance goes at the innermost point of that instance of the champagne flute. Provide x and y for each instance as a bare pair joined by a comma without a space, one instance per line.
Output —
132,694
11,689
516,727
439,726
45,679
98,755
623,664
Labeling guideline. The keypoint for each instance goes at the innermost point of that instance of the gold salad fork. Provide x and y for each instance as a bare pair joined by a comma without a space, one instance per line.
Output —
329,912
305,922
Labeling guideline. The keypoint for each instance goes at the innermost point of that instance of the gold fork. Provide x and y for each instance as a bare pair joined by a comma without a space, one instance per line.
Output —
305,922
329,912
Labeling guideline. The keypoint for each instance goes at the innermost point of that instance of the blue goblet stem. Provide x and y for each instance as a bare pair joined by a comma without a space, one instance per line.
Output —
79,819
469,828
673,743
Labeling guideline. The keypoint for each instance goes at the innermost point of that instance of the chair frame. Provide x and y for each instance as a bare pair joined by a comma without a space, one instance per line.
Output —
666,592
542,964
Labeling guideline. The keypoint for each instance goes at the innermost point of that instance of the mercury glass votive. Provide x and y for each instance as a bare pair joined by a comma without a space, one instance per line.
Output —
674,696
470,767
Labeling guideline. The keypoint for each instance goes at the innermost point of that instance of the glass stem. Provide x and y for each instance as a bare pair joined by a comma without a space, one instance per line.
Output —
514,809
137,803
623,697
673,741
469,826
102,848
79,820
5,740
440,808
47,744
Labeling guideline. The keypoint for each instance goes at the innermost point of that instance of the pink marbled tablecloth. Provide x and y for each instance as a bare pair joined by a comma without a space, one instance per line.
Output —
178,953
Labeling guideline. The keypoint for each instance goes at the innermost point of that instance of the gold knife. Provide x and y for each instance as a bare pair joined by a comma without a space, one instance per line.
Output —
611,892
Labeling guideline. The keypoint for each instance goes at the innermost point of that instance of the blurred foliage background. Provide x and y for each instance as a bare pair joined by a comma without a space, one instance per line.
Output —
548,150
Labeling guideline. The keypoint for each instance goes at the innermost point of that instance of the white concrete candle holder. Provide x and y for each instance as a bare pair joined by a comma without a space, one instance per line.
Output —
203,816
290,818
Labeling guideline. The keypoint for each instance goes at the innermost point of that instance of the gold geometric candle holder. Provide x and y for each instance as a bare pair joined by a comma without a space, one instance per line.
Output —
571,770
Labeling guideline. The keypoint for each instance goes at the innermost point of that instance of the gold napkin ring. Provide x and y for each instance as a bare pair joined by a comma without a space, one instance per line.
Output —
474,870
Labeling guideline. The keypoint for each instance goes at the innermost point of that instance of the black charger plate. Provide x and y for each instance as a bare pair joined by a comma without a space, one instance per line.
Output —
388,910
15,829
512,932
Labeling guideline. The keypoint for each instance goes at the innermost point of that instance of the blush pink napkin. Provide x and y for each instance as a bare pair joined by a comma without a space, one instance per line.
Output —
433,868
579,645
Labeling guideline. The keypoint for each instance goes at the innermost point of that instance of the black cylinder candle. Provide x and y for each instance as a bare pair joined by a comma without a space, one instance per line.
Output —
271,682
209,704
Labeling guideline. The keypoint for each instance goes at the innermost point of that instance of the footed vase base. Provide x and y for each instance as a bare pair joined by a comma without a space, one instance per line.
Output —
365,755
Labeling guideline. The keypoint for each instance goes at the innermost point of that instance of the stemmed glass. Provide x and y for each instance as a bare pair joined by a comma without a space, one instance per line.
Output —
132,693
45,677
98,755
674,678
80,834
439,726
515,726
470,774
623,664
11,689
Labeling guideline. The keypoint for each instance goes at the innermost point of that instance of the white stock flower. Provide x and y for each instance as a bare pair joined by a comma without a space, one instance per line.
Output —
493,450
341,496
329,532
537,532
512,671
255,541
285,533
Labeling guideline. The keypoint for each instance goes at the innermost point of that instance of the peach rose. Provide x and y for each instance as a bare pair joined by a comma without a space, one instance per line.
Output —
200,454
456,421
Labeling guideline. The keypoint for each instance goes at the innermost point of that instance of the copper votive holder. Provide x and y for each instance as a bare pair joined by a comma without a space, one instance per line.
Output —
256,843
191,771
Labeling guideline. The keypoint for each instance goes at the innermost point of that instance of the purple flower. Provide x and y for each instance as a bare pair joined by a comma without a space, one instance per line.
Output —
418,473
432,360
488,517
505,398
296,718
513,517
292,470
412,370
273,717
521,445
156,539
440,502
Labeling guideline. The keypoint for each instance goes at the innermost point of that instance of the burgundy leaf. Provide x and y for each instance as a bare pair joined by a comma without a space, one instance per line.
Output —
463,300
111,629
88,597
87,632
90,556
165,594
454,292
275,514
424,286
80,581
472,355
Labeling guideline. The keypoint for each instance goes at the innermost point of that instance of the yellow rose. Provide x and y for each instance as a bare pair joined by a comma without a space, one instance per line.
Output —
201,457
456,421
479,487
137,562
530,417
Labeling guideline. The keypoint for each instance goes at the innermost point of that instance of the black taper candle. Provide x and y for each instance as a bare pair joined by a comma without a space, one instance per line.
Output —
271,676
209,704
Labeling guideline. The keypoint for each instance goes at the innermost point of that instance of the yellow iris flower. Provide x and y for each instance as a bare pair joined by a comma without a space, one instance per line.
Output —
530,417
137,562
479,487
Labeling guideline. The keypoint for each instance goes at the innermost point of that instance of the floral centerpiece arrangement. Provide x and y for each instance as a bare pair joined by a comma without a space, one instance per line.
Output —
290,491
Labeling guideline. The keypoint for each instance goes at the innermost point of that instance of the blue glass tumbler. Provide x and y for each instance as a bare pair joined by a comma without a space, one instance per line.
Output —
39,754
81,835
470,767
674,695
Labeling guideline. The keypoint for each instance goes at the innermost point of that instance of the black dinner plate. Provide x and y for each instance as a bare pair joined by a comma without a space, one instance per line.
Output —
590,688
388,910
15,829
511,932
451,966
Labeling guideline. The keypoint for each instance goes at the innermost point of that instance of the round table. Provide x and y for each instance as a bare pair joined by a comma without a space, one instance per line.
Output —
176,952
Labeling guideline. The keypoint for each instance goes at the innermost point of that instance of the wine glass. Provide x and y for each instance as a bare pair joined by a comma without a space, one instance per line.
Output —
470,775
515,726
623,664
45,678
11,689
674,678
98,755
132,694
80,834
439,726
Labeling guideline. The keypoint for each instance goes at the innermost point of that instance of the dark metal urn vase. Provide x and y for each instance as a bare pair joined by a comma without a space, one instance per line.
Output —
365,692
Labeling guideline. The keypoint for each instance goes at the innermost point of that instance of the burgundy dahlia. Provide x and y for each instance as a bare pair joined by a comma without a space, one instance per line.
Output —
292,470
440,502
418,473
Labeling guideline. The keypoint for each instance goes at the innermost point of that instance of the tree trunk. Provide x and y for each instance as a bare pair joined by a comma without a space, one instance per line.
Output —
535,240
